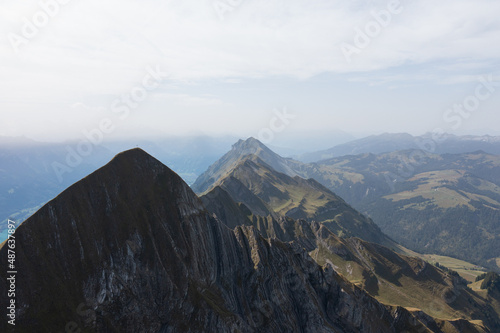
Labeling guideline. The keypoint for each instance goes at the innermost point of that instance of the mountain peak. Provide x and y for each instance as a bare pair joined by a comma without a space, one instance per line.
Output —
250,145
240,150
134,155
133,152
136,163
129,174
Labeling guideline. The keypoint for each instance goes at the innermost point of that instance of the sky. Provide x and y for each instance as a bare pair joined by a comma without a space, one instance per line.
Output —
259,68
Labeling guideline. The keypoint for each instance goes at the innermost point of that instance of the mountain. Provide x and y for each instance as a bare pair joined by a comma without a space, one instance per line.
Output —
239,150
389,142
304,211
268,192
445,204
374,144
390,277
130,248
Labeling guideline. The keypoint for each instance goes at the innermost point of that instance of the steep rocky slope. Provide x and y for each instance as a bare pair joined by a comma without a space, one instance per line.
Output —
390,277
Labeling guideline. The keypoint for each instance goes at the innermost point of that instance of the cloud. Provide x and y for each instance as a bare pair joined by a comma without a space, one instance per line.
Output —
94,48
90,40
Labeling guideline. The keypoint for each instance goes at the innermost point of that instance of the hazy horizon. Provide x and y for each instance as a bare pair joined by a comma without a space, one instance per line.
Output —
284,144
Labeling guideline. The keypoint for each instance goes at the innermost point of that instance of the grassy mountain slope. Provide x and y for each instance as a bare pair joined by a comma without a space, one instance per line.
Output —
446,204
297,198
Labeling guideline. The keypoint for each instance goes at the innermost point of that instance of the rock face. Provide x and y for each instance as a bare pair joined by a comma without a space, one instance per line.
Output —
131,248
390,277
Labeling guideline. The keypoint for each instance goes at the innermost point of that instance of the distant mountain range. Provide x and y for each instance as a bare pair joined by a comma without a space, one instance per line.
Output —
389,142
28,177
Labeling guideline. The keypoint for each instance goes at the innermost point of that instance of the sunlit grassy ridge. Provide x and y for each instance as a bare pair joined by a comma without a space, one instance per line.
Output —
296,197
